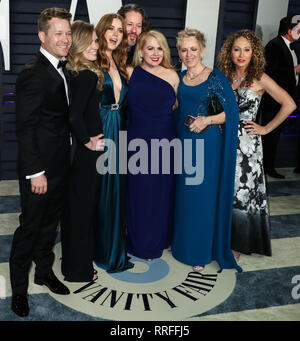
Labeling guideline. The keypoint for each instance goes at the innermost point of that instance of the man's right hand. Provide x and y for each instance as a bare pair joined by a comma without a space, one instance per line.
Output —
39,184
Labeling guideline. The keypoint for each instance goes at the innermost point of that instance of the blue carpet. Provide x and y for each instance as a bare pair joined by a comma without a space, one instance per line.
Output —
285,226
260,289
44,308
283,188
10,204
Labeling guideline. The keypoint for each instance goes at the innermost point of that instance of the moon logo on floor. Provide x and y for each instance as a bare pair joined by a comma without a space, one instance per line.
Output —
163,289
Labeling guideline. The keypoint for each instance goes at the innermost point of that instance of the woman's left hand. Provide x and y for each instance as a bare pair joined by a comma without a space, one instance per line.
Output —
253,128
199,124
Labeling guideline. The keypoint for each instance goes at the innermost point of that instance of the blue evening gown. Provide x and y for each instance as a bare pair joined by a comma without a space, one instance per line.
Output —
110,230
203,212
150,196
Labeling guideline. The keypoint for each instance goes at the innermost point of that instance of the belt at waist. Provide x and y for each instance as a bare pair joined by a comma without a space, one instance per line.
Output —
114,106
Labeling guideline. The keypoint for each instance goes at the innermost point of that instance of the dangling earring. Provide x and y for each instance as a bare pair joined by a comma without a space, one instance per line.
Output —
141,59
180,61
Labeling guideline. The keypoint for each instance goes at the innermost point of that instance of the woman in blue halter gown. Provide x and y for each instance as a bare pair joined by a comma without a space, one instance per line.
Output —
151,96
242,60
203,204
110,230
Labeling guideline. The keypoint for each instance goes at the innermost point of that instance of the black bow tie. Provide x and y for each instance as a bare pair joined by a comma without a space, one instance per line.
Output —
62,64
292,46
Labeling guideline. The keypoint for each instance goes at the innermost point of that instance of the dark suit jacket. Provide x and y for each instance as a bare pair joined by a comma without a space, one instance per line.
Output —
280,67
85,106
42,120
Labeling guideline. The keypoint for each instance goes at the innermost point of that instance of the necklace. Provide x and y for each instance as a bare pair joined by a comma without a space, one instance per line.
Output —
192,78
241,79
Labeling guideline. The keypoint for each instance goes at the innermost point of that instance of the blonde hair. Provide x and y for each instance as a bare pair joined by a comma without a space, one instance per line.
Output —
162,41
189,32
257,63
120,53
82,33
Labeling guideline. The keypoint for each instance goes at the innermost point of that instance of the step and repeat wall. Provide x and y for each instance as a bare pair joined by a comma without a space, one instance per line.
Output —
215,18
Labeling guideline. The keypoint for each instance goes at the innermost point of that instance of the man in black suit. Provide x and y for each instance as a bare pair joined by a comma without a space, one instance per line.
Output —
44,155
283,66
136,22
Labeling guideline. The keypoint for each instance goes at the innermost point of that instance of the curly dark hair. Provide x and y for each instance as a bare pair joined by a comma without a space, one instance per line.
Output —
256,66
136,8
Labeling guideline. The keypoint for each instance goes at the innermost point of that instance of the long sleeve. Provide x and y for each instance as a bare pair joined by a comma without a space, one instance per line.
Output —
83,87
30,96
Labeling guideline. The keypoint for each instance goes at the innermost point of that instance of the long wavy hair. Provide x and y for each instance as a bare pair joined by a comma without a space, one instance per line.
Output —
162,41
82,33
257,63
120,53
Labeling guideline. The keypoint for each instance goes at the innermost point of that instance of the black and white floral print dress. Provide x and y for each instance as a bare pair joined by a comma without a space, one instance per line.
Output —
250,231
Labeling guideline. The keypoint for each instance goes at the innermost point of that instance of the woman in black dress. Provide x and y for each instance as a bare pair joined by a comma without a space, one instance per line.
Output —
78,221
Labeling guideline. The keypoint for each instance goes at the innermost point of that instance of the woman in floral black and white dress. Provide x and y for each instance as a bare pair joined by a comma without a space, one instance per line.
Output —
242,61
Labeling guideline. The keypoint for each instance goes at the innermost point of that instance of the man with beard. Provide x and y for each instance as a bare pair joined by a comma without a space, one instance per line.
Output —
136,23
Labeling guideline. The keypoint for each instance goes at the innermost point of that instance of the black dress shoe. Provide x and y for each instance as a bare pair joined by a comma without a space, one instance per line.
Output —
52,282
19,305
297,170
274,174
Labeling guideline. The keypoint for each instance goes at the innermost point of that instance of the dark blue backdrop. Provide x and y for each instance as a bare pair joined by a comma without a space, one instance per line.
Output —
24,43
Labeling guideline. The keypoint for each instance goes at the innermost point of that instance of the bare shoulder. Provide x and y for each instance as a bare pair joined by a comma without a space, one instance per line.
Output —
264,79
172,75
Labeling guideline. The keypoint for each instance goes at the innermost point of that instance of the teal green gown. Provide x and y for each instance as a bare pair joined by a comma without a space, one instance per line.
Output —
203,211
110,231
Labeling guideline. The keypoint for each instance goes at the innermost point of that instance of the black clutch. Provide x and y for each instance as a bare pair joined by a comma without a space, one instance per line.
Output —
214,106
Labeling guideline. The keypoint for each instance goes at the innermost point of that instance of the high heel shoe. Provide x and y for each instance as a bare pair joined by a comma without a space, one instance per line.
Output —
236,255
95,276
198,268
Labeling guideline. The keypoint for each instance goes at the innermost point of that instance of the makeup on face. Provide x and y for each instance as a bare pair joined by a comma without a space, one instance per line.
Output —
152,53
90,53
241,52
114,34
190,52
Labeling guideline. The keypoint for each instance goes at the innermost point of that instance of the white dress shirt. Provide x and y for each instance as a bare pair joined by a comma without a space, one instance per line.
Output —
293,53
54,61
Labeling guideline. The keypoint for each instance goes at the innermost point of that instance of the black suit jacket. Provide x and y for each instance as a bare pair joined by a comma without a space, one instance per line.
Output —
85,106
42,120
280,67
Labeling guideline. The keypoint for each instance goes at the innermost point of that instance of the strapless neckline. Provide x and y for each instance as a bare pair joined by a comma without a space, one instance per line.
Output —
254,92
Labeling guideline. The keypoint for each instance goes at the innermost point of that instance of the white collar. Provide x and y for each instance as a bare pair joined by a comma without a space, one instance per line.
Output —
53,60
286,41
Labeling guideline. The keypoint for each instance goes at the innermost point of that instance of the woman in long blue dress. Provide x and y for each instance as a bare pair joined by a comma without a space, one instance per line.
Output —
151,96
203,205
110,230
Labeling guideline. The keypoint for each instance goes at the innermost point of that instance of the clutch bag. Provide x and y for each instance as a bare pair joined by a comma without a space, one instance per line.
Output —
214,106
